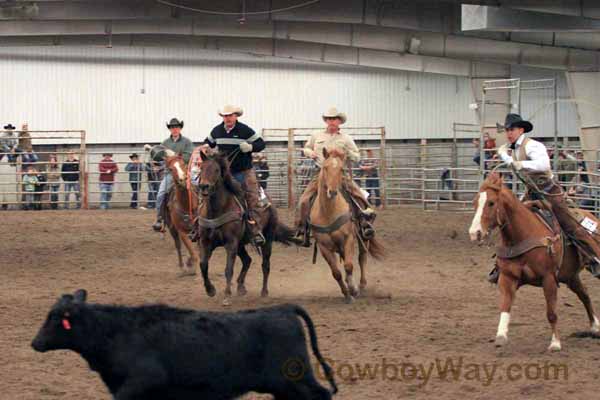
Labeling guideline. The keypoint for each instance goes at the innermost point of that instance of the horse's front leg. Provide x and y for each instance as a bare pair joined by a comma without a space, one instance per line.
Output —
246,261
550,292
232,250
508,288
205,253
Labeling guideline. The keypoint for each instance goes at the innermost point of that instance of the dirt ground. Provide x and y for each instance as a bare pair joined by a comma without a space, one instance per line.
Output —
429,308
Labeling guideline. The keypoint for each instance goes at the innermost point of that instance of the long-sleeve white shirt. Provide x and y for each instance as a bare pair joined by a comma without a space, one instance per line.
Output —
537,155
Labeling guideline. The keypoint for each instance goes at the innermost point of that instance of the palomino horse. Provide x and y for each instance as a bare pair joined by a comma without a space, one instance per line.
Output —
180,209
530,253
221,223
334,229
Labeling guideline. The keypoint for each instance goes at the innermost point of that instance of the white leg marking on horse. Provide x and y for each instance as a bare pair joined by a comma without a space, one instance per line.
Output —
503,325
554,344
596,325
476,224
180,172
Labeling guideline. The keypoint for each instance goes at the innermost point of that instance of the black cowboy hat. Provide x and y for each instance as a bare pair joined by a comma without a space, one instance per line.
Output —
515,121
134,155
174,123
9,127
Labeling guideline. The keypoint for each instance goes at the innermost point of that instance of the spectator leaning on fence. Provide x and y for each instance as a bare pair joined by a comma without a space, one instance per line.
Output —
70,176
53,176
135,169
370,167
262,169
40,187
154,172
108,168
30,180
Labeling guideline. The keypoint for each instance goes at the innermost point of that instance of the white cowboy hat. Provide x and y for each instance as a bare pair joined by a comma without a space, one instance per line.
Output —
229,109
334,113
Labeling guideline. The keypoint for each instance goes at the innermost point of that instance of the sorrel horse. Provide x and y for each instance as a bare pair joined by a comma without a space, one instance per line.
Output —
335,231
221,223
530,253
180,208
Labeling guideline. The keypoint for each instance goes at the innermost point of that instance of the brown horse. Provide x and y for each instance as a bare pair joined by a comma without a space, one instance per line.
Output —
334,229
221,224
530,253
180,208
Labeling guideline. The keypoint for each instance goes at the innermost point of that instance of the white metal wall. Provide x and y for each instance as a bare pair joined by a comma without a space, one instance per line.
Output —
100,90
538,103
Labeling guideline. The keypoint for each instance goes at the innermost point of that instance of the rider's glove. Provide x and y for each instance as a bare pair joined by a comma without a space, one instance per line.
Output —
503,153
245,147
518,165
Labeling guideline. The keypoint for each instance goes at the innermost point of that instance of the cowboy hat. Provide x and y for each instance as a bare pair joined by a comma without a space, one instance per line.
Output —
9,127
334,113
229,109
174,123
516,121
134,155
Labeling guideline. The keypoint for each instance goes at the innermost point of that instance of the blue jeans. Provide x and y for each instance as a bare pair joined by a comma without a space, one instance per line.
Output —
373,189
163,189
105,195
54,189
71,187
152,190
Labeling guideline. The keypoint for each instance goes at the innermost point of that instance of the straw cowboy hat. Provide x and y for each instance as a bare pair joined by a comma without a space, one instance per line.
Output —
334,113
229,109
9,127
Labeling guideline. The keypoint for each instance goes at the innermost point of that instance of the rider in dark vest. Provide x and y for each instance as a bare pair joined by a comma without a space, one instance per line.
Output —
238,141
530,158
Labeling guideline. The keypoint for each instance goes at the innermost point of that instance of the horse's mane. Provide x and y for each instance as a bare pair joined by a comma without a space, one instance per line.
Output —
335,152
231,184
495,182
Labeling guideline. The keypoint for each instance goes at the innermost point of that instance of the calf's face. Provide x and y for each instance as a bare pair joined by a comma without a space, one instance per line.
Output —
59,329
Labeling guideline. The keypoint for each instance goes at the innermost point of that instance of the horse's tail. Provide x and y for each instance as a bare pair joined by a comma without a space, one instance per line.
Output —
284,234
376,249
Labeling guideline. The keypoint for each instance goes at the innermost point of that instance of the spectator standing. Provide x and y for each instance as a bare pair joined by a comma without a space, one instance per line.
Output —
8,144
567,166
135,169
70,176
370,170
489,146
477,154
30,180
154,172
582,167
40,186
25,148
108,168
262,170
53,175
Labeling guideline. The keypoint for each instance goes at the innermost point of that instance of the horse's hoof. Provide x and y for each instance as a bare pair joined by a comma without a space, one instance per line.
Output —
241,291
185,273
264,293
554,346
226,302
362,292
349,299
354,292
211,291
501,341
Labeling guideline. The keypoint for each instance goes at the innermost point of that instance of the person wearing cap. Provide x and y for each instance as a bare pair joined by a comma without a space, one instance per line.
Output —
238,141
108,168
135,169
328,138
180,145
530,158
70,176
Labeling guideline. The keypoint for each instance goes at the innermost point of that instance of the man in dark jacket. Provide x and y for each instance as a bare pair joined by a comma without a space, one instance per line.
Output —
70,176
135,169
238,141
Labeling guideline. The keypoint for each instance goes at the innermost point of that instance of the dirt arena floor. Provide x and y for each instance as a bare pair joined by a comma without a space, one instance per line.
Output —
424,331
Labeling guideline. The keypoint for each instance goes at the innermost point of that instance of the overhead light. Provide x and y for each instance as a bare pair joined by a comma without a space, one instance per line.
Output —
414,45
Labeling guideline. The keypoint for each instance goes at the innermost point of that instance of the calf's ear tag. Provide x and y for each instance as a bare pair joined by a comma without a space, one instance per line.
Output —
66,324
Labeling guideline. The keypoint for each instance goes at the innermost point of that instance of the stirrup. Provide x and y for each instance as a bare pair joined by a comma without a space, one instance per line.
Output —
158,226
259,239
594,267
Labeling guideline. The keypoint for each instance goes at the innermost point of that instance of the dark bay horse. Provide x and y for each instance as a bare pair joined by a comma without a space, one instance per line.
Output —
221,223
530,253
180,208
334,229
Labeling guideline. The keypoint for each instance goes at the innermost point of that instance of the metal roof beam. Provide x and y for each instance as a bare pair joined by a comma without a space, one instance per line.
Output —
500,19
